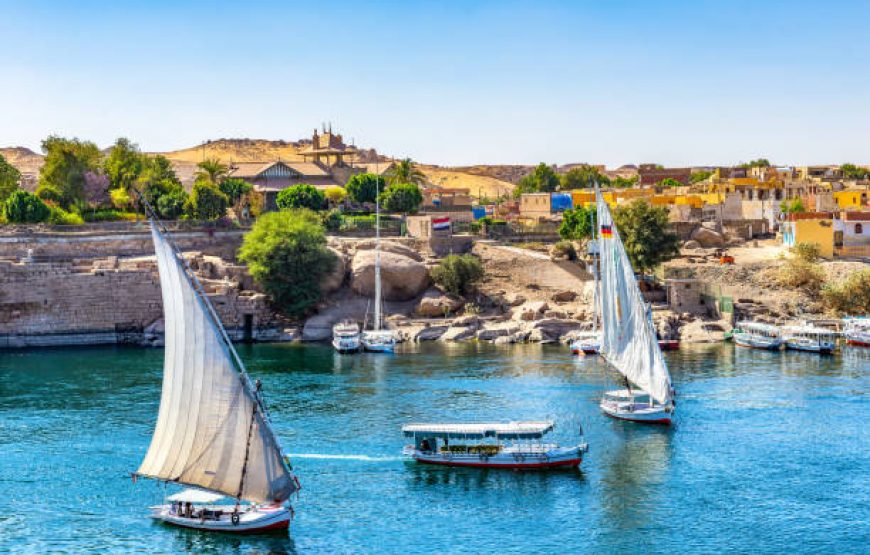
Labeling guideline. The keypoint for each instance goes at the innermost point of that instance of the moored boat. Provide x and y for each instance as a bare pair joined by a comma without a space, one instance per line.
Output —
586,343
213,431
346,337
758,336
809,338
378,339
669,344
857,332
509,445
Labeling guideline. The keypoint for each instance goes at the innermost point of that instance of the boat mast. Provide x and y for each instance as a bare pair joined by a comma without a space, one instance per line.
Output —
595,256
377,322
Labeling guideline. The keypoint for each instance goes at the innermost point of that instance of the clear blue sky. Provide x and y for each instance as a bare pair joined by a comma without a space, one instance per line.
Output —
611,81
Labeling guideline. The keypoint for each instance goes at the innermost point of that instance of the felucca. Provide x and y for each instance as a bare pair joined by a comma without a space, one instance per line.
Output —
628,340
213,431
378,339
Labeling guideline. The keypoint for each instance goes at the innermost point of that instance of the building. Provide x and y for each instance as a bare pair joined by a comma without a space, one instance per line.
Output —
445,200
270,178
852,234
685,295
810,227
651,174
535,206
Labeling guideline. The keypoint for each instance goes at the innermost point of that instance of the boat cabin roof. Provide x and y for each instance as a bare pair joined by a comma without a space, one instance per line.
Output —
503,430
192,495
758,326
808,330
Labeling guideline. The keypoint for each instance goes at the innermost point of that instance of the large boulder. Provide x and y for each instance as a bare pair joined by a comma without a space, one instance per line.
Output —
431,333
531,311
565,296
389,246
708,238
333,280
435,303
402,278
457,334
692,245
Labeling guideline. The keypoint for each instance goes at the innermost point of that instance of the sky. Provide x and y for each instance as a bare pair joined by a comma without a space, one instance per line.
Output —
451,83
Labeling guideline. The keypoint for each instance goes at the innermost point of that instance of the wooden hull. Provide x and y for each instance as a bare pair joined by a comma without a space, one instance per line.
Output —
857,343
259,521
637,412
669,344
757,343
558,458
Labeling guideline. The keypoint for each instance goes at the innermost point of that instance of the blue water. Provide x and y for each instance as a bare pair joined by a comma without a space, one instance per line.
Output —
769,453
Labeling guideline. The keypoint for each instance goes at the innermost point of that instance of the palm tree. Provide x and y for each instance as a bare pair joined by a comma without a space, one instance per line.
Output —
405,171
212,170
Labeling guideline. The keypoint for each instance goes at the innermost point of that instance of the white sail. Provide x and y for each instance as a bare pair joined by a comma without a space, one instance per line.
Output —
211,428
629,340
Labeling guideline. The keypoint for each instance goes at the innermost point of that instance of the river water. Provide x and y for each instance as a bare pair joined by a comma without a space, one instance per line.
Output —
769,453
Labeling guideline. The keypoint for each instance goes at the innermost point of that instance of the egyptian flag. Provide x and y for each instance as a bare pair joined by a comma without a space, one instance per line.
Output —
606,231
440,224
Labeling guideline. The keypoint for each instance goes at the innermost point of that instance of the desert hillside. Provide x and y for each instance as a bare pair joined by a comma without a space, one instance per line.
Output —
477,184
238,150
22,158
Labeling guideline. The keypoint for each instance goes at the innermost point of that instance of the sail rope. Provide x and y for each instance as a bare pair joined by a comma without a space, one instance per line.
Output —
247,453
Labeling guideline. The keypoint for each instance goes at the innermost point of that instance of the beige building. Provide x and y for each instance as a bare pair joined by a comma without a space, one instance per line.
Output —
535,206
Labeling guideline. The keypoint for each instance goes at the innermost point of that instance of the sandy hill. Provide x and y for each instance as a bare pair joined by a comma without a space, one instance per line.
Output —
477,184
239,150
23,158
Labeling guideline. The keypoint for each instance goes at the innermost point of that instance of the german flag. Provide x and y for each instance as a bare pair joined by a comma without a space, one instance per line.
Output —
606,231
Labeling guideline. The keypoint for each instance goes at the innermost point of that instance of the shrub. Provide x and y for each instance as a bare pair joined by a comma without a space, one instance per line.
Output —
364,187
335,194
800,273
808,252
25,208
401,197
577,223
458,274
59,216
564,249
206,202
120,198
301,196
332,220
287,256
852,296
108,215
171,205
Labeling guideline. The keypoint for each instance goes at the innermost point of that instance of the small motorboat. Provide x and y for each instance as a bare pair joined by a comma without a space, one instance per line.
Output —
809,338
194,508
509,445
857,332
636,406
586,343
346,337
669,344
758,336
379,341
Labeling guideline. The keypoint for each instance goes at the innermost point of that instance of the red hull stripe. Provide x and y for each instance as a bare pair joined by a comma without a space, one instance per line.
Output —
857,343
567,462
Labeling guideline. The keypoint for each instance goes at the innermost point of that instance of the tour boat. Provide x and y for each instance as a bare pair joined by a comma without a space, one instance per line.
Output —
346,337
213,431
758,336
669,344
628,341
809,338
589,343
509,445
377,339
857,331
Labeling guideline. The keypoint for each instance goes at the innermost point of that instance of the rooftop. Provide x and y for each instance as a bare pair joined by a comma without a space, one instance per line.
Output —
508,430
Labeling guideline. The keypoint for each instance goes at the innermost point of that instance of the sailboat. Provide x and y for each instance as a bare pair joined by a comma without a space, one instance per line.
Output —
628,341
378,339
213,432
589,342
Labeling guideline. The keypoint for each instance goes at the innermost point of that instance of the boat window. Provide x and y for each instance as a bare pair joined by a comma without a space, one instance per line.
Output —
859,229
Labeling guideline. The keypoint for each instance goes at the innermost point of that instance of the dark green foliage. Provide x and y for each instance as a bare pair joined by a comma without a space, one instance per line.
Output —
301,196
287,256
793,206
170,206
646,234
401,197
9,178
157,179
458,273
124,164
364,187
576,223
25,208
851,171
760,163
66,163
623,182
582,177
211,170
405,171
697,177
332,220
206,202
669,182
235,188
543,179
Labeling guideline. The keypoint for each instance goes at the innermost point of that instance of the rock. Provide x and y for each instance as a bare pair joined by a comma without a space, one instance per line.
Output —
555,314
318,327
390,246
556,327
402,278
564,296
335,279
503,340
469,320
520,336
708,238
492,333
530,311
457,334
515,300
431,333
692,245
540,335
436,304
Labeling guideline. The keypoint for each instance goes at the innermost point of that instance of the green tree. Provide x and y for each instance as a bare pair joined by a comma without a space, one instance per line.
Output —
335,195
646,234
699,176
458,273
364,187
302,195
760,163
235,188
851,171
124,164
211,170
25,208
9,178
669,182
157,179
583,176
170,205
401,197
405,171
624,182
577,223
793,206
206,201
64,168
543,179
287,256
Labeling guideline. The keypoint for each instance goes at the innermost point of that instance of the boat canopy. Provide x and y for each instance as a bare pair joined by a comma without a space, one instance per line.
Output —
192,495
758,327
503,430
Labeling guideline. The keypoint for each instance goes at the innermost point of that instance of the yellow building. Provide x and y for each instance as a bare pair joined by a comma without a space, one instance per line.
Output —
850,200
810,227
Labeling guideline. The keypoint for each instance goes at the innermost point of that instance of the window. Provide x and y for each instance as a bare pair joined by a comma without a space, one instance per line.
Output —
859,229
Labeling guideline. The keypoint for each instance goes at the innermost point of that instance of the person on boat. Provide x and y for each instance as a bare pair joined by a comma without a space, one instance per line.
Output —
424,446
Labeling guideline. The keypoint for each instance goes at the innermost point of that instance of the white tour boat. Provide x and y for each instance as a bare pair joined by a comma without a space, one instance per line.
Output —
213,431
346,337
758,336
509,445
809,338
629,342
377,339
857,331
